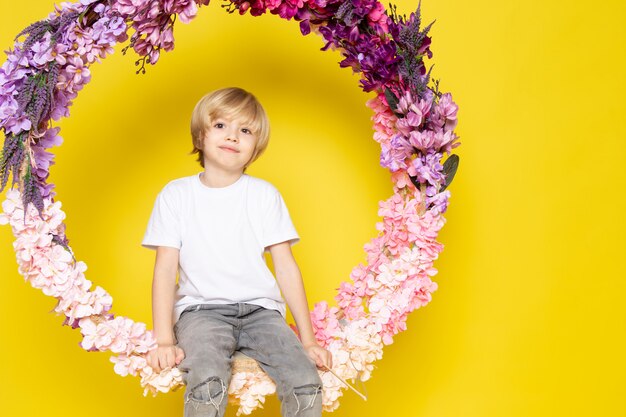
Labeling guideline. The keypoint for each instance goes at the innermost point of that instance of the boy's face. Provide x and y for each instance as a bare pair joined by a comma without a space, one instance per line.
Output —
228,144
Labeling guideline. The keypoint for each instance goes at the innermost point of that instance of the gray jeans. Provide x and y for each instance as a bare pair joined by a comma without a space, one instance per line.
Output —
209,334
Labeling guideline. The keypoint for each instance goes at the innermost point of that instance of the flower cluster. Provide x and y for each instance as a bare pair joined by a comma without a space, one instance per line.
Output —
51,268
400,288
119,335
395,282
355,347
47,265
39,80
249,389
414,136
359,28
153,23
169,379
423,132
325,322
413,122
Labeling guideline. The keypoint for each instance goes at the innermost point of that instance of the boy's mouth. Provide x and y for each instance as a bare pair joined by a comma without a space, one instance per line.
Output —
228,149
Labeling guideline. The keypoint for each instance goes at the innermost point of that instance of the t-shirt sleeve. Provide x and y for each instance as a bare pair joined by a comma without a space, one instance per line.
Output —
277,224
164,224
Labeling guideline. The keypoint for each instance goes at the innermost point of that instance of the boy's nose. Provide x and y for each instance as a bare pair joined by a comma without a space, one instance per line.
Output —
233,135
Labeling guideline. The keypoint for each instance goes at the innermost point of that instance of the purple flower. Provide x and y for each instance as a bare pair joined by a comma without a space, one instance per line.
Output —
394,153
50,138
58,53
109,31
369,54
288,8
62,102
424,140
43,160
16,125
408,104
445,112
436,141
77,72
438,203
8,107
427,169
13,73
42,51
79,42
46,190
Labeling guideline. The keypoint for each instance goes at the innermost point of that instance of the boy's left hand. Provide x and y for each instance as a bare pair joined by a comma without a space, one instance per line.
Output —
320,356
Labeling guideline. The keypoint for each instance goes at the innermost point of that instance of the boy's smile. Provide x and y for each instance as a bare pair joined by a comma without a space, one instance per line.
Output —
229,149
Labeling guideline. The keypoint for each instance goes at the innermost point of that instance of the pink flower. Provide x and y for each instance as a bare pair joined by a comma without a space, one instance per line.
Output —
324,321
349,298
383,117
446,112
129,7
77,71
128,365
117,335
162,382
406,103
250,389
243,7
401,180
424,140
377,13
272,4
186,10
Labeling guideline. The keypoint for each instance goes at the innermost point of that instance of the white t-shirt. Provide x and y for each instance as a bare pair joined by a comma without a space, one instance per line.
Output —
222,234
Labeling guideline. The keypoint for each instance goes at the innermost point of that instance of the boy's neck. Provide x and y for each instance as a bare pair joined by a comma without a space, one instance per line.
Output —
215,179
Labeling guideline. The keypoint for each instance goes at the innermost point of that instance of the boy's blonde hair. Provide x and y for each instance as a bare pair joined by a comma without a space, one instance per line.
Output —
229,103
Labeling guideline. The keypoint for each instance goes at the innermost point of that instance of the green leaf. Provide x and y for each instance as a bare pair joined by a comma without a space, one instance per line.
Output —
449,169
392,100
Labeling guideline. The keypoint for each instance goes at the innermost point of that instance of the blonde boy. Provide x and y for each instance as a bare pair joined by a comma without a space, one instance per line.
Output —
213,229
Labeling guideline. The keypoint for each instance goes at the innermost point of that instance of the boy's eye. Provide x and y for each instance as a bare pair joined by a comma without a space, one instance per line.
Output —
246,130
219,125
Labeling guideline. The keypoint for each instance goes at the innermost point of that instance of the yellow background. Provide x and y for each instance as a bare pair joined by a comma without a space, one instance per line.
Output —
529,317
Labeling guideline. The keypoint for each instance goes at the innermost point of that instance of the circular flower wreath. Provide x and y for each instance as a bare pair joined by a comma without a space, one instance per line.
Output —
413,123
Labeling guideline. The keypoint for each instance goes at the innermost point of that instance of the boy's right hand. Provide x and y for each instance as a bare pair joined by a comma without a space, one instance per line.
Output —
164,356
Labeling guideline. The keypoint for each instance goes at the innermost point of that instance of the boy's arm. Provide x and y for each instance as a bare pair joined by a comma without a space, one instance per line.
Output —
167,354
290,282
163,292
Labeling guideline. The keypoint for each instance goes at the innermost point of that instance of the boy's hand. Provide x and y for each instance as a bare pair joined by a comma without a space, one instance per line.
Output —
164,356
322,357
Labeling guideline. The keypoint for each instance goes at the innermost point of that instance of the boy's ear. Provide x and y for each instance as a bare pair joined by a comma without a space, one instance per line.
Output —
200,139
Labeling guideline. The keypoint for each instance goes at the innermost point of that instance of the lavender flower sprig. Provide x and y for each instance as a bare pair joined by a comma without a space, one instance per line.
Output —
37,95
12,158
56,27
412,44
30,191
38,83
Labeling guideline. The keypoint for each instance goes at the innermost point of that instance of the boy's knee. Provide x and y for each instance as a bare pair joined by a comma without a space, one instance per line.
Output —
305,396
211,391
